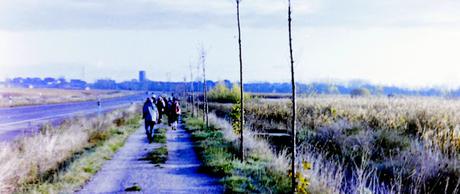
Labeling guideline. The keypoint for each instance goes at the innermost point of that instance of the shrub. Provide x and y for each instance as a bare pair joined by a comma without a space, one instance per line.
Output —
360,92
220,93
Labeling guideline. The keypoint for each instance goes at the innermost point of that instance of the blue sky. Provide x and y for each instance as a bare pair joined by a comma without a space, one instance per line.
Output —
409,43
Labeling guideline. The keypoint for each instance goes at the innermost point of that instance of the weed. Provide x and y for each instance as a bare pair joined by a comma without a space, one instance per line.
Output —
157,156
160,136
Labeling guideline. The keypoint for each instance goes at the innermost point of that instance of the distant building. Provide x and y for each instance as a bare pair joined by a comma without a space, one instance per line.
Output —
142,76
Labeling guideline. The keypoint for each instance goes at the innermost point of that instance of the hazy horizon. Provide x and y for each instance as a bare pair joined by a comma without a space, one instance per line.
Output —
411,43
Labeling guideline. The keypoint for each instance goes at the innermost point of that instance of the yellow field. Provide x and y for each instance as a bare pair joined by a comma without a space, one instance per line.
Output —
10,97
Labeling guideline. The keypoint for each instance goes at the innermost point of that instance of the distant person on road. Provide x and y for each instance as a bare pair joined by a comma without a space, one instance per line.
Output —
99,106
150,116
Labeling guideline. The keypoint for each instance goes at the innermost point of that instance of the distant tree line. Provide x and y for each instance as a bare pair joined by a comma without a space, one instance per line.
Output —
315,88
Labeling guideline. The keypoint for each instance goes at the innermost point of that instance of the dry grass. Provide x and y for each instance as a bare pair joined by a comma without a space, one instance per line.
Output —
262,172
36,159
24,96
376,144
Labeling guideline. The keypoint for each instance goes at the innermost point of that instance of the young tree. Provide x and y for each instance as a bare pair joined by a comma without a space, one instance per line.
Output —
192,89
293,124
241,82
205,96
198,78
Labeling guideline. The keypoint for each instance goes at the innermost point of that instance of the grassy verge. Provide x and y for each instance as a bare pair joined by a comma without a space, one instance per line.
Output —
83,168
60,160
217,149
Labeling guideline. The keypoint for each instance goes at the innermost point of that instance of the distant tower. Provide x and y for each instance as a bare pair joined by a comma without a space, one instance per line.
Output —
142,77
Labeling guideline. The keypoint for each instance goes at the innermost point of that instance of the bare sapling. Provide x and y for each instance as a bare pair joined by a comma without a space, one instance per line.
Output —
192,90
293,124
205,95
241,81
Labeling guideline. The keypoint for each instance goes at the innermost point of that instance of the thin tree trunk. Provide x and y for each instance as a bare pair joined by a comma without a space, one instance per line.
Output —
205,105
293,147
192,90
241,83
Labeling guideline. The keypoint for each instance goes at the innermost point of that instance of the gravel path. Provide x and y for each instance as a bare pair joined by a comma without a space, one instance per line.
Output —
178,175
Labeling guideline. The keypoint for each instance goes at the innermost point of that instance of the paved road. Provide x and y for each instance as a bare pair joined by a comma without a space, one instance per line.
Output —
178,175
18,121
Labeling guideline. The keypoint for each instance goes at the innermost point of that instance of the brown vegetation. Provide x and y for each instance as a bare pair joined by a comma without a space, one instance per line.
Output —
39,158
24,96
373,144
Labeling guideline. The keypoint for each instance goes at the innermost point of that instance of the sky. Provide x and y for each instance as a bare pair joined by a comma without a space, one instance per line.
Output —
407,43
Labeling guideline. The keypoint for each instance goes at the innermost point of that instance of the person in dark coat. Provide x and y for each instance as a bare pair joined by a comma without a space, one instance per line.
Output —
161,106
169,110
175,112
150,116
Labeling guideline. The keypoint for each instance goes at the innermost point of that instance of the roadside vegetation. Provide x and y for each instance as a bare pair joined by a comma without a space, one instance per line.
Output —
11,97
368,144
218,148
63,158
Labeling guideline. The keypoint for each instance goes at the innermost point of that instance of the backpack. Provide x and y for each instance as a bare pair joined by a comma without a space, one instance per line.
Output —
177,108
154,113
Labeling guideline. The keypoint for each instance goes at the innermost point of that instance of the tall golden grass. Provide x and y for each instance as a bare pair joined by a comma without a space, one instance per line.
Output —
369,144
30,159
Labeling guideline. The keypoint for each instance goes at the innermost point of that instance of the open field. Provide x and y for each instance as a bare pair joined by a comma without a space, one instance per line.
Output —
376,144
24,96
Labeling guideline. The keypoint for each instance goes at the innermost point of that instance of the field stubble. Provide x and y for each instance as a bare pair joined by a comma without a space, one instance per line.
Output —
10,97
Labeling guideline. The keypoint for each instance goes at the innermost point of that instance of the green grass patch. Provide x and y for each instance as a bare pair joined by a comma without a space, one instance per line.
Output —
157,156
160,136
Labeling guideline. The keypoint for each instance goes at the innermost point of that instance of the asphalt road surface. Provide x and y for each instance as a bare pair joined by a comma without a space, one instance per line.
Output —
20,121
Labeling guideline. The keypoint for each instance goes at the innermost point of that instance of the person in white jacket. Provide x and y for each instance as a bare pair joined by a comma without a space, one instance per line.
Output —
150,116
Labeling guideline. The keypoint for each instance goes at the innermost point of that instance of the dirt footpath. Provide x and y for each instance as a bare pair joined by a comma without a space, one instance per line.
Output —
178,175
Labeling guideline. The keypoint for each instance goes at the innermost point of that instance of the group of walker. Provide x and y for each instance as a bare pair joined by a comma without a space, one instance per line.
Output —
154,110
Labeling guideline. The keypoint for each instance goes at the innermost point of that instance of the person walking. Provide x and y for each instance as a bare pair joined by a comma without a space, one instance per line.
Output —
169,110
161,106
150,116
175,113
